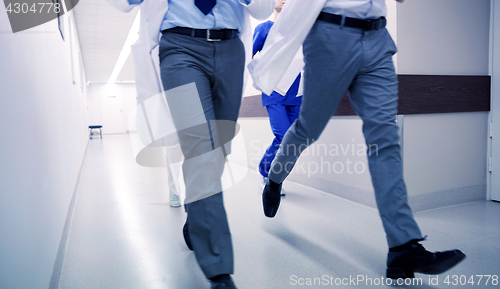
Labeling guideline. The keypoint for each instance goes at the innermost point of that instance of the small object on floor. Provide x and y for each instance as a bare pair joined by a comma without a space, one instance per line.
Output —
91,127
222,282
174,200
403,261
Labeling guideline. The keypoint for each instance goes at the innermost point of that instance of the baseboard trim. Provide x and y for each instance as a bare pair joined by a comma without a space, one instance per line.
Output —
447,198
61,251
417,203
356,195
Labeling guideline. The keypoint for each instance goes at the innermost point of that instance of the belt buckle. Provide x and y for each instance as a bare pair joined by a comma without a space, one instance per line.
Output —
369,24
208,35
374,24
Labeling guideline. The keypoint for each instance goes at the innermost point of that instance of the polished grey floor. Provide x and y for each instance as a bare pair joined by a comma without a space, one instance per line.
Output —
124,235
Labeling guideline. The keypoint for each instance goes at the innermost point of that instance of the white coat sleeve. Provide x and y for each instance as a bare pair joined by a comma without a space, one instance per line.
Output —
121,5
260,9
295,67
284,40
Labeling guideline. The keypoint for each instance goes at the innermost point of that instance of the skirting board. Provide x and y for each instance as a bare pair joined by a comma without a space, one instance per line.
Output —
417,203
447,198
61,252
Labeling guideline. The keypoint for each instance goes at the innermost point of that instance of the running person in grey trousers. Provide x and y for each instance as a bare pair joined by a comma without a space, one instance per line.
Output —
348,48
202,60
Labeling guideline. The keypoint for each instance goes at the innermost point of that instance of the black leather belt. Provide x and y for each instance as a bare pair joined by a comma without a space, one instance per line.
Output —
208,34
365,24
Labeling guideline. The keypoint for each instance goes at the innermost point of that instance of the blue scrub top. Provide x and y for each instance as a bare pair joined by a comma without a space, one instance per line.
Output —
290,98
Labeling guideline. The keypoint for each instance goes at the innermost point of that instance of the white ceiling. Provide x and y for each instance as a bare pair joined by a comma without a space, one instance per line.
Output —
102,31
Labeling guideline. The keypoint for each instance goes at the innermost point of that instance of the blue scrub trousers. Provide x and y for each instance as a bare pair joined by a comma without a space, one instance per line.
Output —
281,117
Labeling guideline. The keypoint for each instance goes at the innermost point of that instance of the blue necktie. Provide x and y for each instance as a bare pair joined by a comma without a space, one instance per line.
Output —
205,5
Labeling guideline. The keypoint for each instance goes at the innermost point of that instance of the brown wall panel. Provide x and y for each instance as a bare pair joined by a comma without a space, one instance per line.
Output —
418,94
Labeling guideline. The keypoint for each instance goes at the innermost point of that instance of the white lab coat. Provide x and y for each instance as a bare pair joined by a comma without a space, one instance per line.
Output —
146,65
285,38
152,117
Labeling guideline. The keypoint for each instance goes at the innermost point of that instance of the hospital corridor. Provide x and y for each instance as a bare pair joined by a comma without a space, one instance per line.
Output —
124,234
99,167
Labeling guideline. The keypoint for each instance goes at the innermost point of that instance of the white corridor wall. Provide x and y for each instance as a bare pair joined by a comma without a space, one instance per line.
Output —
42,119
444,154
124,95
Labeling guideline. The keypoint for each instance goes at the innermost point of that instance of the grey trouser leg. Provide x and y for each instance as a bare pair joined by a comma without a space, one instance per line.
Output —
217,70
339,59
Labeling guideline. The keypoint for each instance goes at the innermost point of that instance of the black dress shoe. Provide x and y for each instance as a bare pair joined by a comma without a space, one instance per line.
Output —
271,198
413,257
187,239
264,182
223,283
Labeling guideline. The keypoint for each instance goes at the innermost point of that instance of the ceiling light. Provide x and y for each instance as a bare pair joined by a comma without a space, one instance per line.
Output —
132,37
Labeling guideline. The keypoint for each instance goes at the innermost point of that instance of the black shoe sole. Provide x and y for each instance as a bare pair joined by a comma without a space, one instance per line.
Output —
270,207
438,268
445,265
399,273
187,239
270,203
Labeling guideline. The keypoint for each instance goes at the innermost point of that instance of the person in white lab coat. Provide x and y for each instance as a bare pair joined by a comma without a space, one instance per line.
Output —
202,42
346,47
